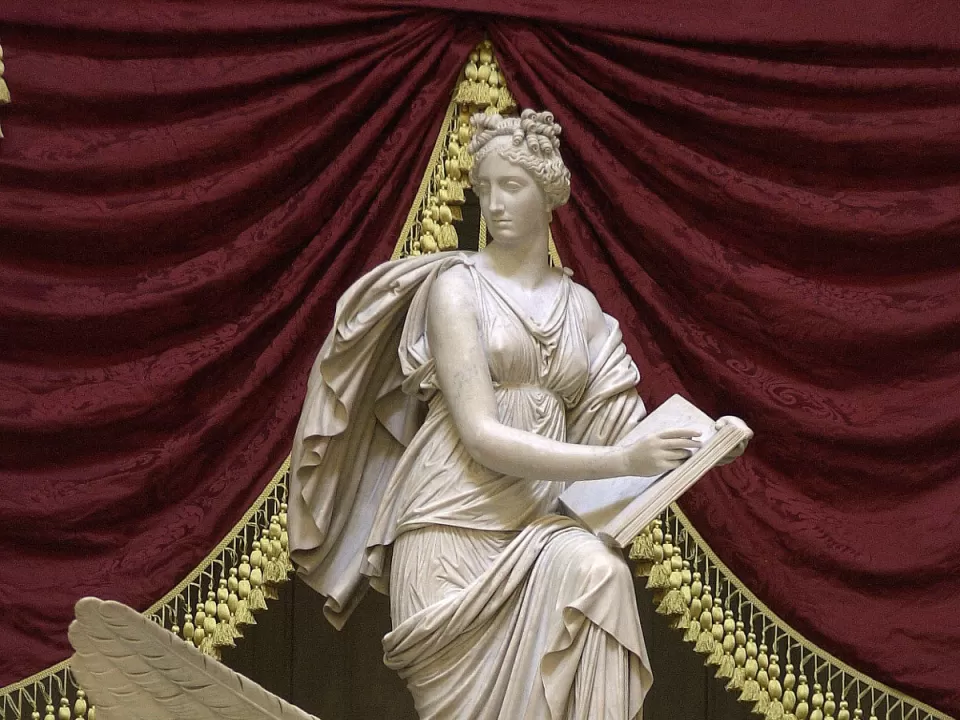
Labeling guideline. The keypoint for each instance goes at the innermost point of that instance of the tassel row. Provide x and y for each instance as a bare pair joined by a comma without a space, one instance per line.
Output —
481,89
218,622
746,664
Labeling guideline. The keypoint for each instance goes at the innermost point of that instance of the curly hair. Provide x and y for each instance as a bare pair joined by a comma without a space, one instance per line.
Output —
535,147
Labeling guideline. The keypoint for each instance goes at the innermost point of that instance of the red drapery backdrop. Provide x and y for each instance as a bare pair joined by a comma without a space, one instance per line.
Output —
768,199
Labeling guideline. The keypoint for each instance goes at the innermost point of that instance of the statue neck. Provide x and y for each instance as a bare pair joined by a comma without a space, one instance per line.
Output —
528,262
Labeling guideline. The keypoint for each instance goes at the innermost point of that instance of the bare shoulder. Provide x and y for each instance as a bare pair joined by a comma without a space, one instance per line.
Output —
453,292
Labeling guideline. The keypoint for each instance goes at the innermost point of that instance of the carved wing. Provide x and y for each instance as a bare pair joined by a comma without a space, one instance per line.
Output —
133,668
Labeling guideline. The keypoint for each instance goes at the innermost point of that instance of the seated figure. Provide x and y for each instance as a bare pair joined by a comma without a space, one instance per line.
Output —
494,380
454,399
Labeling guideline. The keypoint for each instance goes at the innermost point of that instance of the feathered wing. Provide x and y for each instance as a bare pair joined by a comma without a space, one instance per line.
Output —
132,668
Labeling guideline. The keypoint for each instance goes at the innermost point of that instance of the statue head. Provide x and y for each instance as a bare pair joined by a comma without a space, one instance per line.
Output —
517,171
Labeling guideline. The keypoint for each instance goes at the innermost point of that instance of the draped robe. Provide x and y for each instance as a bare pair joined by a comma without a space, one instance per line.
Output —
501,608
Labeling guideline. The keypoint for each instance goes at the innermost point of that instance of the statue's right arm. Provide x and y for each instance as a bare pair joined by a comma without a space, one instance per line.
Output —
464,379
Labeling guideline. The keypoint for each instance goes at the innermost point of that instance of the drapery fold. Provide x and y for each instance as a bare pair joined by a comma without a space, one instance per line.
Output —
181,208
778,240
767,199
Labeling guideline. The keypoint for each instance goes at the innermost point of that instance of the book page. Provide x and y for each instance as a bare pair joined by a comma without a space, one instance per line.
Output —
596,502
607,506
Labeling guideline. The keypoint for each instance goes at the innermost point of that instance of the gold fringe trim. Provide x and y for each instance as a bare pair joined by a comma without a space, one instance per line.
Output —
429,227
208,608
745,641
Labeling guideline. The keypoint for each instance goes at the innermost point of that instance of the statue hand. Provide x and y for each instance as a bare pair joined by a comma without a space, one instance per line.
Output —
741,446
659,453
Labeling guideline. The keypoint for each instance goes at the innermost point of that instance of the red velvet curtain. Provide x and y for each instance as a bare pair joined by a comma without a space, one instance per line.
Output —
183,197
768,199
777,230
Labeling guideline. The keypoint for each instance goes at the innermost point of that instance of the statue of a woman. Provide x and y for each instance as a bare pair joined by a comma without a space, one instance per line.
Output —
455,397
501,608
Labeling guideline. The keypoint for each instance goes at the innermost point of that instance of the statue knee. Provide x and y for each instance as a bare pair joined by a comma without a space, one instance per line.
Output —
603,564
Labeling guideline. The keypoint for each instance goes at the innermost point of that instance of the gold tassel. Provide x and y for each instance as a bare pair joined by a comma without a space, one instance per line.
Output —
188,628
448,239
466,93
243,616
642,548
774,691
725,660
751,691
659,578
775,711
506,102
739,658
738,680
790,696
727,667
751,688
465,160
829,707
686,579
705,641
816,702
80,706
643,569
257,600
4,90
696,607
225,634
456,198
283,549
716,630
762,704
272,573
672,604
763,679
716,655
802,710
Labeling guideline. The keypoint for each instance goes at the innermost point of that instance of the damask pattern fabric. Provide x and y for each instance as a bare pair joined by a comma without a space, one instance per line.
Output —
184,195
768,200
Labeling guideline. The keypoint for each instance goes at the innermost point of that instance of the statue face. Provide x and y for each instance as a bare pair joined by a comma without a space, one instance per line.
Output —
513,204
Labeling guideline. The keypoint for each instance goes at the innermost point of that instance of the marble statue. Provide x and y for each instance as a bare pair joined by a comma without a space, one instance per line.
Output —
454,399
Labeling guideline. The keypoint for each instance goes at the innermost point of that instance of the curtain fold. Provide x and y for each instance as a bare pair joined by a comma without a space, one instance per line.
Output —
777,235
183,199
767,197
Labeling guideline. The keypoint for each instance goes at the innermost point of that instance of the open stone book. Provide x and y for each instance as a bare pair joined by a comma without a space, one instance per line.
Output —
617,509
